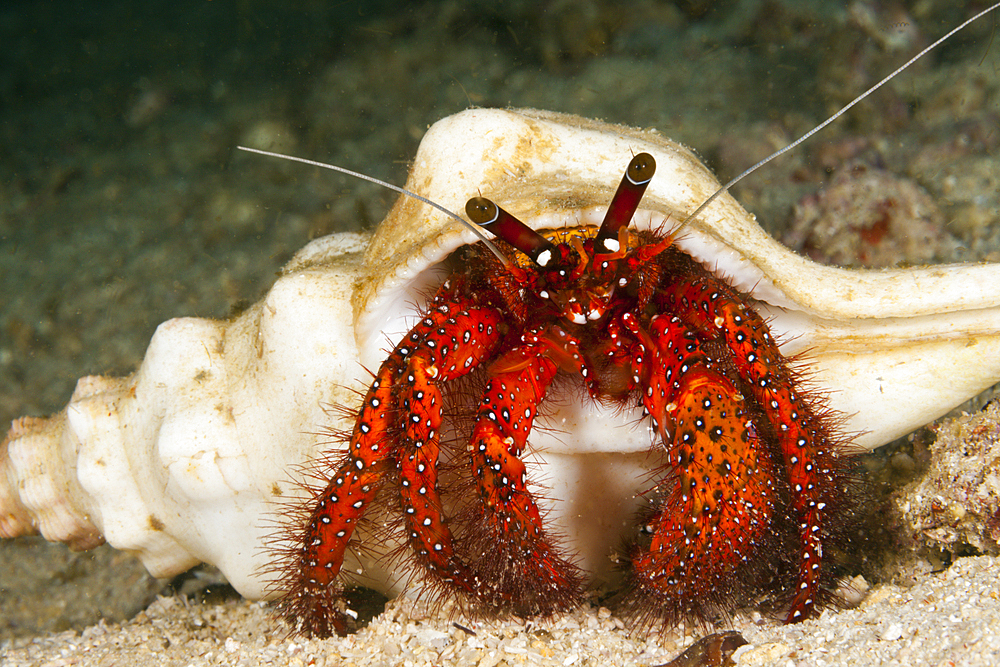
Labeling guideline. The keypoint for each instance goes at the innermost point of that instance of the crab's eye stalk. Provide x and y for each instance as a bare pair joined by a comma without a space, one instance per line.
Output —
507,228
626,200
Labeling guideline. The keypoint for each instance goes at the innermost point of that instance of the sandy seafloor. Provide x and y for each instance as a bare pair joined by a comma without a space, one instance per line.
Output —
123,203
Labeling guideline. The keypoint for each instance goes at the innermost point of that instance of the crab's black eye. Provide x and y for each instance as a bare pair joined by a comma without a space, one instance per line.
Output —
626,200
507,228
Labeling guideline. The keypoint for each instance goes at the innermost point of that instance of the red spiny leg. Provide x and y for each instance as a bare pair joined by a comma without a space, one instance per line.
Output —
313,596
518,567
427,532
711,515
449,342
814,473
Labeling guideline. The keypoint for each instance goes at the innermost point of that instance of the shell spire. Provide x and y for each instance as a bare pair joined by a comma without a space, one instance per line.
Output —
35,494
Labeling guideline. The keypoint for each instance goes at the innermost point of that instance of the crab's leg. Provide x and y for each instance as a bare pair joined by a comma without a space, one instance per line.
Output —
517,564
451,340
448,342
710,514
808,446
312,590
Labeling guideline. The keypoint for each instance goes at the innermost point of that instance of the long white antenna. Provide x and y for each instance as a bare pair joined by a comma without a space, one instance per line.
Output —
725,188
371,179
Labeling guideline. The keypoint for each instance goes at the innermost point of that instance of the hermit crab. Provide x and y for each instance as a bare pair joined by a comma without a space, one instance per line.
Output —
751,477
194,456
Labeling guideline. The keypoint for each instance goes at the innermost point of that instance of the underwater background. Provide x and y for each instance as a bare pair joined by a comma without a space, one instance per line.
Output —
124,202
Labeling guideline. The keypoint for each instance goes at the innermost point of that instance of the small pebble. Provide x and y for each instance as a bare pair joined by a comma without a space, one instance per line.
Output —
892,633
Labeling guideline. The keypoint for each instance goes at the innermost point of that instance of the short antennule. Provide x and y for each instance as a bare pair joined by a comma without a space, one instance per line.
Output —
626,200
507,228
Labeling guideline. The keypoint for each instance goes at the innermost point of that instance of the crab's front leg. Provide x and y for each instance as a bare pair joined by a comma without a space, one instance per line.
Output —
519,567
452,340
312,593
819,473
398,426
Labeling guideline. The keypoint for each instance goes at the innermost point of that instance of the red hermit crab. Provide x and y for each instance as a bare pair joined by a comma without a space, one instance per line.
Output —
749,477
